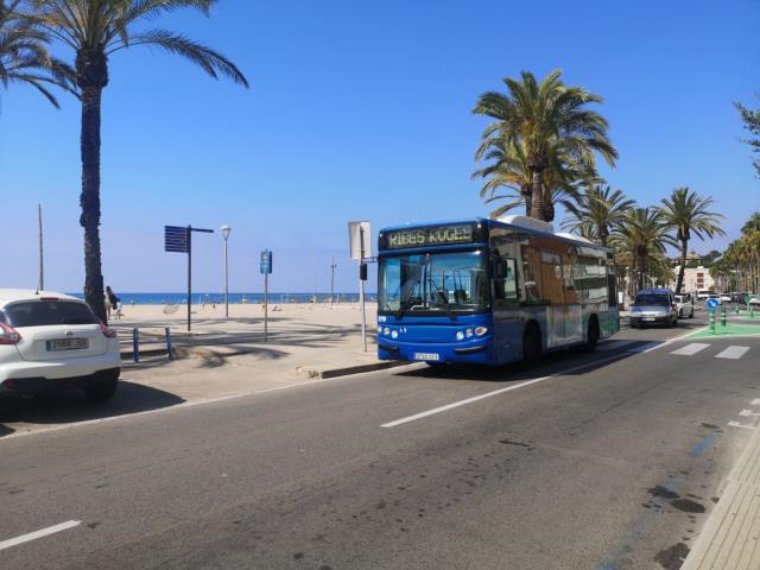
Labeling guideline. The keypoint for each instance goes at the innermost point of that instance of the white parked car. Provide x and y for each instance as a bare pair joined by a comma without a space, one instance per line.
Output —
50,341
725,298
684,305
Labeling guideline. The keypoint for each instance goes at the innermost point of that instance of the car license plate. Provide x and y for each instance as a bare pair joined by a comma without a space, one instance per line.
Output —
648,319
426,356
67,344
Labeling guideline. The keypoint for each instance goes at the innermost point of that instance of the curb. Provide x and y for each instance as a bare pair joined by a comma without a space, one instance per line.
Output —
348,370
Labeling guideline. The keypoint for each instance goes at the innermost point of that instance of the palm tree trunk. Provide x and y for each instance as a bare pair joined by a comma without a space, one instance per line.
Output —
537,208
92,77
682,269
90,199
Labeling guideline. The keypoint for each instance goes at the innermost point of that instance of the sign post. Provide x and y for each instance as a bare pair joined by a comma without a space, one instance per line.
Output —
265,268
359,244
178,239
711,305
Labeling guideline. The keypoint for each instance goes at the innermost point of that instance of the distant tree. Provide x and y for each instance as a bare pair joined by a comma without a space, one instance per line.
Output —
24,57
541,117
687,213
752,124
753,224
644,234
599,209
95,30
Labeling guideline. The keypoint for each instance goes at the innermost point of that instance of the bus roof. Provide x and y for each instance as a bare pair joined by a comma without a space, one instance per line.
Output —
524,223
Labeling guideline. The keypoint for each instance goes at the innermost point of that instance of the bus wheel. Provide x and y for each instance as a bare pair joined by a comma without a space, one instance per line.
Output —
531,343
592,337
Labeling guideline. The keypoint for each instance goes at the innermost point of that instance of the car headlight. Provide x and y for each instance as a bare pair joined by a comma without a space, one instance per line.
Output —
386,331
480,331
394,334
460,335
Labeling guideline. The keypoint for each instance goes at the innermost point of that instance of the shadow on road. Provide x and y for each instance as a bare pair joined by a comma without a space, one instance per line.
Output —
71,407
560,362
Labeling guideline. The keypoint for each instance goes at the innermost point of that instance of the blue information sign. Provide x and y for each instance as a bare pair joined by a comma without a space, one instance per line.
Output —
712,304
176,239
265,267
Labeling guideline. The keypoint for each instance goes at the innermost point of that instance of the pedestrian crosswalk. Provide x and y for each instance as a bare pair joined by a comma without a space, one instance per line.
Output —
730,353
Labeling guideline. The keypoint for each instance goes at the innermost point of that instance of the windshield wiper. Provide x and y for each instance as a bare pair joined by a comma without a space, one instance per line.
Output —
442,300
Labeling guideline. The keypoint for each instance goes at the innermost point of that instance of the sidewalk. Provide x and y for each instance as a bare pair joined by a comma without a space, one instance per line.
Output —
222,356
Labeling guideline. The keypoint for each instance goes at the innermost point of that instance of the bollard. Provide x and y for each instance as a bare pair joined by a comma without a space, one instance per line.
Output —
711,319
169,351
723,316
736,308
751,310
136,344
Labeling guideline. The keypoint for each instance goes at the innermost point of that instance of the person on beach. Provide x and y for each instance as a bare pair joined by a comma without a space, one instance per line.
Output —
112,301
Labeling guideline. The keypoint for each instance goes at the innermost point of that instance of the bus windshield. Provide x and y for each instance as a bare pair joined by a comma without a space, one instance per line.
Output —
446,282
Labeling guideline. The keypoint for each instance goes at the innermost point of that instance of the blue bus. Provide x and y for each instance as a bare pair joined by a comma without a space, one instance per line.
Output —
491,292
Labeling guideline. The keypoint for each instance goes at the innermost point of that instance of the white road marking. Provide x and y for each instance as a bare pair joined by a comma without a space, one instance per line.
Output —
737,424
690,349
755,402
38,534
733,352
462,403
748,413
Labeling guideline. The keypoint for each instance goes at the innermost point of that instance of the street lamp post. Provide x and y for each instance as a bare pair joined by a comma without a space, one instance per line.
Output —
225,229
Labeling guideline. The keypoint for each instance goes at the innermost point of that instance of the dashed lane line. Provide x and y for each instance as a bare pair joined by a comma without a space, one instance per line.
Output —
690,349
38,534
733,352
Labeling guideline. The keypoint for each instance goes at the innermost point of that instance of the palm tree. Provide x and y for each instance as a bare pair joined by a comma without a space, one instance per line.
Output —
24,57
687,213
542,116
95,30
600,209
644,233
509,169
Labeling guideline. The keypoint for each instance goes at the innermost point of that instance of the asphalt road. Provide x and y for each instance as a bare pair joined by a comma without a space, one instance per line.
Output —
610,460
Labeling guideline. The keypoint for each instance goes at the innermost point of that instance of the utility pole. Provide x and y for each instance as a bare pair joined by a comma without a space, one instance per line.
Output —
332,281
41,284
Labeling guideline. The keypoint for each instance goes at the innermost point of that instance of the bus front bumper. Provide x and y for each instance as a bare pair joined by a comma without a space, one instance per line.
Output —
476,351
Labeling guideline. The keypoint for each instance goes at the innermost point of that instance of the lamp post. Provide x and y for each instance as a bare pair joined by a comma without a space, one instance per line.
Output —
225,229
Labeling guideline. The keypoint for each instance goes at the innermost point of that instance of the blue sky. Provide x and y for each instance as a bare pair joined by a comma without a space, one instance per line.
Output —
361,110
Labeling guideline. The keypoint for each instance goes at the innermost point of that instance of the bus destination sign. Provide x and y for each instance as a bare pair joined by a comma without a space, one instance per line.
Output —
431,236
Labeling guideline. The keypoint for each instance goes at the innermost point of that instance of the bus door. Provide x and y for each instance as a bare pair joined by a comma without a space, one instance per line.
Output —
573,302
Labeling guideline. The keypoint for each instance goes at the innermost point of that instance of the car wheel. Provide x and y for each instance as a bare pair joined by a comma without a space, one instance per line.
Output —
691,315
592,335
101,389
680,313
531,343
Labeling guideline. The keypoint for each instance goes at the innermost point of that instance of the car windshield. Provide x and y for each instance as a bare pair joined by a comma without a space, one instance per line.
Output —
650,299
454,281
679,298
47,313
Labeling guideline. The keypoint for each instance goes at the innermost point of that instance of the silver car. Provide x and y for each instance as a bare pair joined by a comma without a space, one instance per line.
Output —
654,306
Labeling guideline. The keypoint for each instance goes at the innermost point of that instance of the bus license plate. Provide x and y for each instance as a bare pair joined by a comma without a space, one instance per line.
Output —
67,344
426,356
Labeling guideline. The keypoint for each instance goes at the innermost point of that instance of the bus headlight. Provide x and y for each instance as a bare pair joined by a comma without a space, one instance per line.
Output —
460,335
394,334
480,331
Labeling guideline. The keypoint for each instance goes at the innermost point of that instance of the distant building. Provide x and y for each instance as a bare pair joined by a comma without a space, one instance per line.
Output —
694,278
